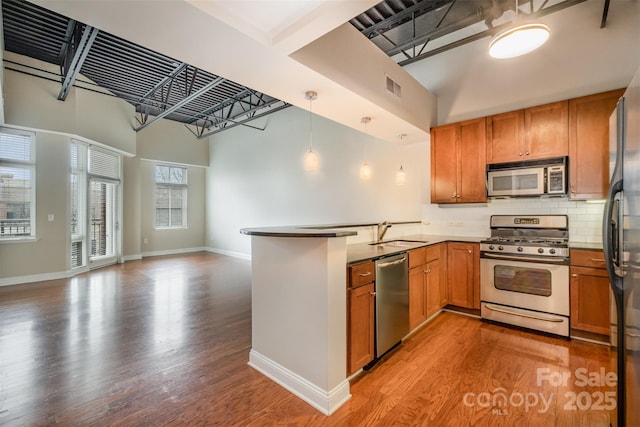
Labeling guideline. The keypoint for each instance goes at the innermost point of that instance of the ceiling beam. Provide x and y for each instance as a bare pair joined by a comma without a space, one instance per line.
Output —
79,54
183,102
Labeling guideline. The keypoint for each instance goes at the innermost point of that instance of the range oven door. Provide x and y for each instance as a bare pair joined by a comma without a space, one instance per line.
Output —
529,294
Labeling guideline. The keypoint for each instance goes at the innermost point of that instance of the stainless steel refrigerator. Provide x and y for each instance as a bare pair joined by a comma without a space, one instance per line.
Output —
621,240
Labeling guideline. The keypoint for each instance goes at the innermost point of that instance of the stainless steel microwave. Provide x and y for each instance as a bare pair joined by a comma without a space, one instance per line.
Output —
535,178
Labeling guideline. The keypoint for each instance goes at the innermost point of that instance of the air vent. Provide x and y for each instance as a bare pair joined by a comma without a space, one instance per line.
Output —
394,88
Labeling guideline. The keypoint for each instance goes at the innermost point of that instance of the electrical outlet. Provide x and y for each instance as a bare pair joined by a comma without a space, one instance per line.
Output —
145,240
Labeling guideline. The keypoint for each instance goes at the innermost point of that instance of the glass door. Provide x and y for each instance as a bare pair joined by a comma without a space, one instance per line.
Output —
103,224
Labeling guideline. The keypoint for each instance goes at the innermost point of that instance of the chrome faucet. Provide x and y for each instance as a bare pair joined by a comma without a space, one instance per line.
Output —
382,229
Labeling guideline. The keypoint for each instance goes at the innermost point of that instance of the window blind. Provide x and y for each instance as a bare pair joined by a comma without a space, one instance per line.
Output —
104,164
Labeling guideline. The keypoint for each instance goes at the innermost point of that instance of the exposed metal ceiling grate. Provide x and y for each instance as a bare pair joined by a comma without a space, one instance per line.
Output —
155,84
411,30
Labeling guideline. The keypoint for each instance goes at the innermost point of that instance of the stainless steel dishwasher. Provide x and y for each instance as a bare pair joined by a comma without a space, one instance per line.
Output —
392,301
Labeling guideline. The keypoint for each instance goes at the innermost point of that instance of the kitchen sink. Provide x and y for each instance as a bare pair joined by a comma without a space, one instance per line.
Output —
398,244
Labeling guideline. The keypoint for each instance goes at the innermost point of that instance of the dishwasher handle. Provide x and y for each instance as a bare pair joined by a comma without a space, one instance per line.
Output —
392,263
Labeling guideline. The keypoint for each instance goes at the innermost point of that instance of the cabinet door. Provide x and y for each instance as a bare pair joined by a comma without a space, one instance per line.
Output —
505,137
589,294
417,297
361,327
444,164
443,275
472,162
589,144
433,290
547,130
461,274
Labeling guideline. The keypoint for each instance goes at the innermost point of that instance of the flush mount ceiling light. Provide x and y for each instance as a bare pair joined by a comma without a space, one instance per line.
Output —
519,40
401,175
311,161
365,169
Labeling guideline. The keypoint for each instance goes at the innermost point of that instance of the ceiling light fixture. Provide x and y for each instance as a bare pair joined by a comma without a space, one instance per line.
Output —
401,175
365,169
520,39
311,161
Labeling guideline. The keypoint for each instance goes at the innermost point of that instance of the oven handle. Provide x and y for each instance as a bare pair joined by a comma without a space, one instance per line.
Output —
524,258
530,316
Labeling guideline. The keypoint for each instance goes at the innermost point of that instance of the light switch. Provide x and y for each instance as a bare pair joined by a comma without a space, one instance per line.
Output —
50,217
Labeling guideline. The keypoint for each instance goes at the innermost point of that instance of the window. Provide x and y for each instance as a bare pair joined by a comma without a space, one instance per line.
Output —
171,196
17,184
78,190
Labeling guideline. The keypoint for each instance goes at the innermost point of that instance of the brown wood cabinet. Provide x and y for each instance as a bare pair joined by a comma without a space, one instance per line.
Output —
427,282
589,144
533,133
360,315
589,292
463,274
458,166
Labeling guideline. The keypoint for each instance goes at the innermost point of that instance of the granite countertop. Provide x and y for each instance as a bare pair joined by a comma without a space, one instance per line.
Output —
366,251
585,245
296,232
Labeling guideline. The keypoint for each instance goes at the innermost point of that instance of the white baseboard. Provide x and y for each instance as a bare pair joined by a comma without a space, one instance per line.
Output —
173,251
230,253
18,280
325,401
136,257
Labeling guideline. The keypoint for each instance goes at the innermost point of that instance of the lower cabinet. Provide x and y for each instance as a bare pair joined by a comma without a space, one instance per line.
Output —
427,282
360,316
589,292
463,278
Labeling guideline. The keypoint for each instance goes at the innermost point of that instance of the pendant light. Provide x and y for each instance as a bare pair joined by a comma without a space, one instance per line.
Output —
311,161
365,169
401,175
519,40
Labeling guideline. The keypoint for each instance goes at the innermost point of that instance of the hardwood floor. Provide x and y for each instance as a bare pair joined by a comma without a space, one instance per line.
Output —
165,341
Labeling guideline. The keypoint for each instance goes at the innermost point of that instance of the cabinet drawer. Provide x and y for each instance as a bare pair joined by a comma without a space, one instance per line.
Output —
361,274
433,252
417,257
587,258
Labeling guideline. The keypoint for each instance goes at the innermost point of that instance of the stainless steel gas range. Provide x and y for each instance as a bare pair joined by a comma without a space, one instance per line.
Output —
524,272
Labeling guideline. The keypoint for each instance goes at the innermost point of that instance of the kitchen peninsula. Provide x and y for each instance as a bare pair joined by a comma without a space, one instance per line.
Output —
298,311
299,306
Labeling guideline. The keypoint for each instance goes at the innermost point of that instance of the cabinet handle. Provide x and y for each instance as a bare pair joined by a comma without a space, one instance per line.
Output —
527,153
368,273
574,275
520,154
373,294
458,196
426,271
469,250
597,259
453,196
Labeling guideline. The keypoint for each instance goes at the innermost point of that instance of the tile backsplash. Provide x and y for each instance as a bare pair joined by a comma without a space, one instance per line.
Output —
585,219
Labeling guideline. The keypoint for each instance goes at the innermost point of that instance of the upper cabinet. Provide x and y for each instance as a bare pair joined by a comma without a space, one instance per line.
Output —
589,144
458,167
533,133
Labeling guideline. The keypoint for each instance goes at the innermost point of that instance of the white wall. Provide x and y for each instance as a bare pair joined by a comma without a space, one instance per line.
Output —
159,241
257,178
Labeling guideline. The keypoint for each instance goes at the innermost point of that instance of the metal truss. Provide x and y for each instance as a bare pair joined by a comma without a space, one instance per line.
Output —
74,51
238,110
410,31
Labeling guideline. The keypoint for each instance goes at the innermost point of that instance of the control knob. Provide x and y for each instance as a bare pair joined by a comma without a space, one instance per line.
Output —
519,248
552,251
491,247
540,250
500,247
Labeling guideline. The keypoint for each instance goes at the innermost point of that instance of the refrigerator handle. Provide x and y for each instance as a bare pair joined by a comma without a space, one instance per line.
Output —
612,228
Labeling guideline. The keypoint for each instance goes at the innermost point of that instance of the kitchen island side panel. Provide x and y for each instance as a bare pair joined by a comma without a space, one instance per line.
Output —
299,306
